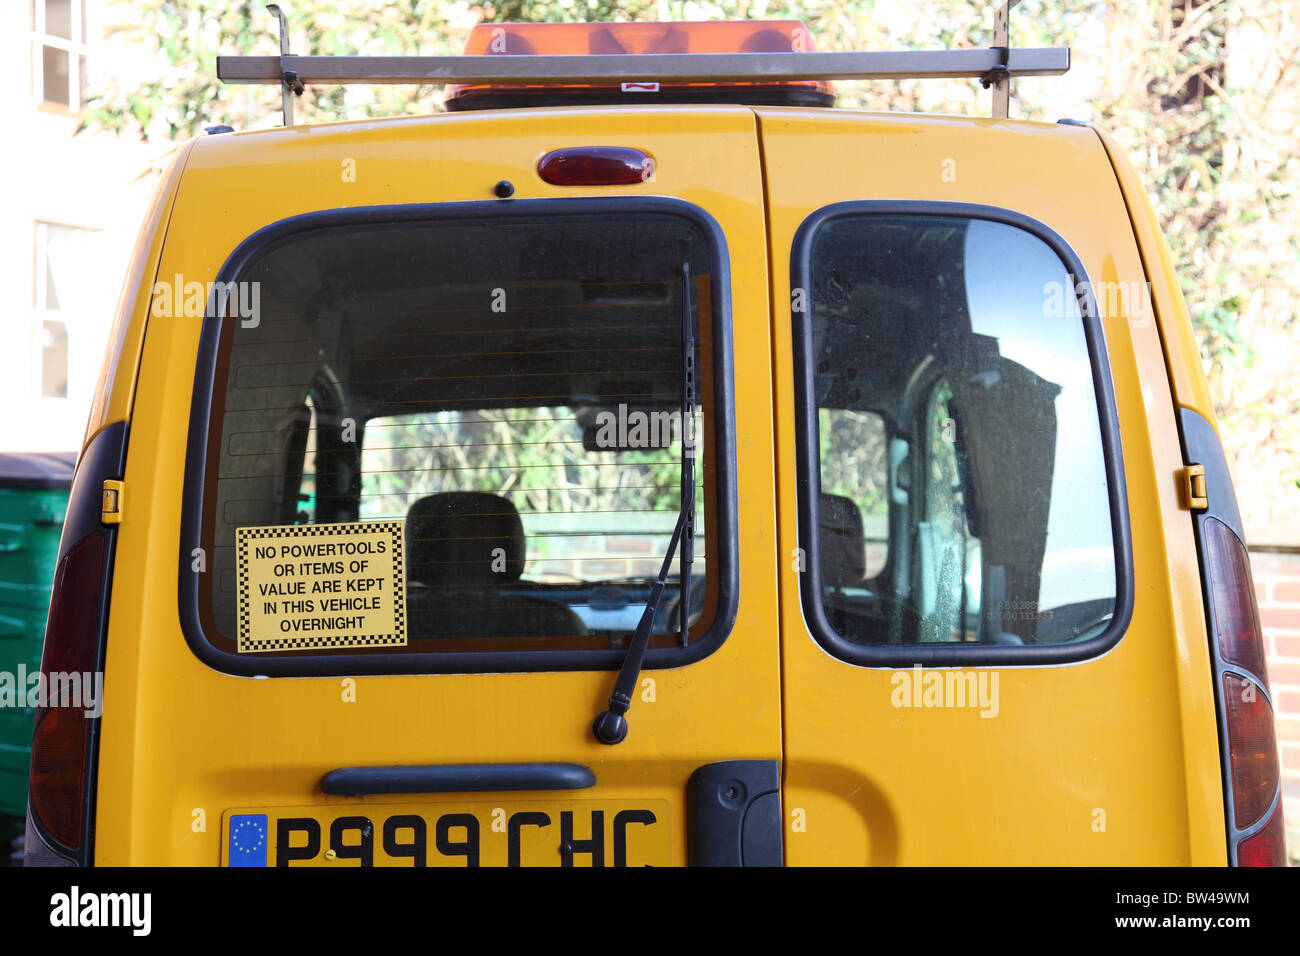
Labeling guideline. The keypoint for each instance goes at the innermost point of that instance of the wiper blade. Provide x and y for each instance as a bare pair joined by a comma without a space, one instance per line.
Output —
611,726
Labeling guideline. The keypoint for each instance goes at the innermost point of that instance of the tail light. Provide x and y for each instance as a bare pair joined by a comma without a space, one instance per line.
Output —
1236,617
62,780
1267,847
1252,750
60,745
1252,764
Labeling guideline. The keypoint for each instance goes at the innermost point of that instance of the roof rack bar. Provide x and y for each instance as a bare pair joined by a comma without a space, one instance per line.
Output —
660,67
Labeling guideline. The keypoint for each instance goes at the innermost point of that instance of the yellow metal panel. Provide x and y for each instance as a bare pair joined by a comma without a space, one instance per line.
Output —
182,743
1131,735
111,401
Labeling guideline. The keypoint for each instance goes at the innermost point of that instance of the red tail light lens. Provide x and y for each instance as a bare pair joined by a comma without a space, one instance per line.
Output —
595,166
1252,743
1236,617
1267,847
61,738
1252,748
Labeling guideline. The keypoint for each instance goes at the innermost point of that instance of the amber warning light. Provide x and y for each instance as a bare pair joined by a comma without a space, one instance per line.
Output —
570,39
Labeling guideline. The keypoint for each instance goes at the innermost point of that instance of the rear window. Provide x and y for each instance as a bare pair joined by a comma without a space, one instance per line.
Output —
957,440
495,392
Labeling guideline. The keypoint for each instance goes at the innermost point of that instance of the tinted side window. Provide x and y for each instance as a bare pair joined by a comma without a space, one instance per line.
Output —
946,359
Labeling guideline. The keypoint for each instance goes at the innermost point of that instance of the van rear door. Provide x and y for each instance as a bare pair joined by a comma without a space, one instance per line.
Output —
993,643
397,503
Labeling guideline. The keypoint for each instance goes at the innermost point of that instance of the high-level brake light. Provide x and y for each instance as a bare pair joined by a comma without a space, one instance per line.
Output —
595,166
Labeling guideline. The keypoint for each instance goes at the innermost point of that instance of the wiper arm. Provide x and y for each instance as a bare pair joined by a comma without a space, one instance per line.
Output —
611,726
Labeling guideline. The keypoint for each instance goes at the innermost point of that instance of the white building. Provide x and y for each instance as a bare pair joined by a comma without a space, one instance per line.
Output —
68,218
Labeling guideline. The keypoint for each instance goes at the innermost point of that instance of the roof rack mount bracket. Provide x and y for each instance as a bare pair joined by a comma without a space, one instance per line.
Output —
291,83
999,77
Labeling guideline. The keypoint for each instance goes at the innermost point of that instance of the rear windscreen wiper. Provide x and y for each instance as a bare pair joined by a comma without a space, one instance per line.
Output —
611,726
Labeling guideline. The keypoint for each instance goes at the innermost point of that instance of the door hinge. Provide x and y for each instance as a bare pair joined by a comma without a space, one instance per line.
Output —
1195,497
111,510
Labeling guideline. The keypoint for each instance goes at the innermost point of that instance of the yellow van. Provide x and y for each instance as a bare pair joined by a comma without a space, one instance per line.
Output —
645,463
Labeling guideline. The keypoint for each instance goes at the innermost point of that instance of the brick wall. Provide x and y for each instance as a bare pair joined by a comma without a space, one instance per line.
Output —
1277,588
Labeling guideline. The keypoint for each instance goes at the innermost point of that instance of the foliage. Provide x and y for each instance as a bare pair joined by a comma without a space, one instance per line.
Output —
535,456
577,502
1200,102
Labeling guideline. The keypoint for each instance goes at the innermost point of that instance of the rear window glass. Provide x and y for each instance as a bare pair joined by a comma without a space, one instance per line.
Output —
953,437
506,392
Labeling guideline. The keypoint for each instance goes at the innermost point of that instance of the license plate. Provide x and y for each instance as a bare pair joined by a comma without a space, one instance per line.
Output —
546,833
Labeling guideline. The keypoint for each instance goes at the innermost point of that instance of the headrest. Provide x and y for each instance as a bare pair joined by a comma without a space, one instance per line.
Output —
843,542
453,537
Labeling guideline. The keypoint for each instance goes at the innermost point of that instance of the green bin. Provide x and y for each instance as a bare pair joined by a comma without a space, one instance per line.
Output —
33,498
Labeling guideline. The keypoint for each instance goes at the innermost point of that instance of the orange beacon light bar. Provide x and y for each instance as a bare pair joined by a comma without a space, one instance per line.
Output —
569,39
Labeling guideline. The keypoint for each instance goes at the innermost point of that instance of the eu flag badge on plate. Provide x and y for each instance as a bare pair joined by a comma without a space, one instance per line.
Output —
247,840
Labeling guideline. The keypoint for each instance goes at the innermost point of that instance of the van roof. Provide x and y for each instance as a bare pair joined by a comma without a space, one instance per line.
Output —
372,123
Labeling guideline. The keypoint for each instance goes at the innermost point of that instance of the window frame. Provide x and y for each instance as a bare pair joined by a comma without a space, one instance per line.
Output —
808,456
201,465
79,14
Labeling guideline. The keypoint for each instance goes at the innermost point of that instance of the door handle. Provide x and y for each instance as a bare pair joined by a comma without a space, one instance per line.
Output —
457,778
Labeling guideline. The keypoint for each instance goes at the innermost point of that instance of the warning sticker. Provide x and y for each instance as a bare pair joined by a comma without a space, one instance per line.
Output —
309,587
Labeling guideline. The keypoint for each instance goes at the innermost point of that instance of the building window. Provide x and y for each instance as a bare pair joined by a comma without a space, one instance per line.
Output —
54,359
60,252
59,52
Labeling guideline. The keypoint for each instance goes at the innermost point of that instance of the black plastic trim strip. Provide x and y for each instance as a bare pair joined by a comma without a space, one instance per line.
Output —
334,665
457,778
1201,446
809,470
